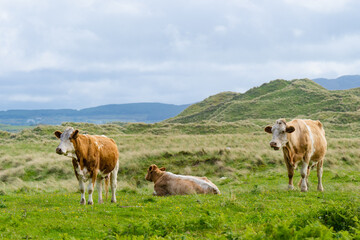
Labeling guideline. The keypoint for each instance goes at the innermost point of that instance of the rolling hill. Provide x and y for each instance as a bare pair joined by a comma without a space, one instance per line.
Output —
132,112
340,83
278,98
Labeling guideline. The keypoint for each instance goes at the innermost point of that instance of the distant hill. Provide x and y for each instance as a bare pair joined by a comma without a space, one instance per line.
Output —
278,98
340,83
132,112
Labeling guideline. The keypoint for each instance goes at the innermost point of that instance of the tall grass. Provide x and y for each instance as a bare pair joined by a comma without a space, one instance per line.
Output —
28,159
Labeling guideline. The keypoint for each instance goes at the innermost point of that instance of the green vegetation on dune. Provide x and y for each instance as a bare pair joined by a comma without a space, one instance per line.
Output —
279,98
12,128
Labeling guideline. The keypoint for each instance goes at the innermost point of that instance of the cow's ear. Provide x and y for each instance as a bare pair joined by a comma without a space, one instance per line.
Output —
150,168
75,134
162,169
58,134
290,129
268,129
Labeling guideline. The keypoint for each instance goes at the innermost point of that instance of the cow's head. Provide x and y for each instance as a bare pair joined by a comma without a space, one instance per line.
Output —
66,146
154,173
280,132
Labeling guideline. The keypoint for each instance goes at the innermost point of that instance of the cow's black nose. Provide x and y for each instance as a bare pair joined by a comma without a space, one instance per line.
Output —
273,144
58,151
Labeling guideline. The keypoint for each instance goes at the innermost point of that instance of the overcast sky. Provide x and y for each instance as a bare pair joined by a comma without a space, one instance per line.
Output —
84,53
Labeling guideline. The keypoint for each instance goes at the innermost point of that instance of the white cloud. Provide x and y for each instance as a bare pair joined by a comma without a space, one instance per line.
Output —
220,29
124,7
177,40
297,32
326,6
28,98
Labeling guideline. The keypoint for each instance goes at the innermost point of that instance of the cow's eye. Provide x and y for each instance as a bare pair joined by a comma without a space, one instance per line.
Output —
283,131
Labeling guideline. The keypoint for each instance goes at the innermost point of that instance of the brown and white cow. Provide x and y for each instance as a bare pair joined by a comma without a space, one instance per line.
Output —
167,183
302,141
93,157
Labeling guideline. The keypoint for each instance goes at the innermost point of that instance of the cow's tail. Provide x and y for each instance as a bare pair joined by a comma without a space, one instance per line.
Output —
107,183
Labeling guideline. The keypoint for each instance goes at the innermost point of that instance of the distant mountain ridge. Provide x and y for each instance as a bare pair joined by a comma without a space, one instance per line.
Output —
340,83
277,99
131,112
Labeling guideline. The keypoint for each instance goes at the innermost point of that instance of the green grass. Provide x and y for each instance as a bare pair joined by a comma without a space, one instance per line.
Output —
256,208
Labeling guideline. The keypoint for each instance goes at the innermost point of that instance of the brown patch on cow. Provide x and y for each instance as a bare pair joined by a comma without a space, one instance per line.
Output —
75,165
93,157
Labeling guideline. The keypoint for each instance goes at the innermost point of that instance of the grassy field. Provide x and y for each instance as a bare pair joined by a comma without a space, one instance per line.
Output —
39,197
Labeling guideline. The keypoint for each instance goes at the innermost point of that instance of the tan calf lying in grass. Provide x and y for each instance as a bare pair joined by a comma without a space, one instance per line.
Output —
167,183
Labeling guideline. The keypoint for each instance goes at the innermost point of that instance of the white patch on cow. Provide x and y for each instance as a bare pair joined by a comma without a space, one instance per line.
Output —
99,146
311,138
303,172
203,184
83,174
90,191
82,191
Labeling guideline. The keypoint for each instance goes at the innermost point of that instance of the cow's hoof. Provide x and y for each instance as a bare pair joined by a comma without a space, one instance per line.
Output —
304,189
90,203
290,187
82,201
101,201
113,200
320,189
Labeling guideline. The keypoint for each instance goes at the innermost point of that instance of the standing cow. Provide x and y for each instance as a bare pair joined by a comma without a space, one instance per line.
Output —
93,157
301,141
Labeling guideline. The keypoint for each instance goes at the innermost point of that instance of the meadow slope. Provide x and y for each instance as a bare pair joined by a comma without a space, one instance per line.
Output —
39,197
278,98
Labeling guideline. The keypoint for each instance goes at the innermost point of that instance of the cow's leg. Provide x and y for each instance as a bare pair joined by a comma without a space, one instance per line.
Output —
91,188
291,175
82,191
160,191
319,175
113,181
99,188
81,182
303,172
290,169
307,176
